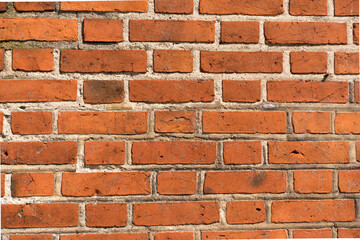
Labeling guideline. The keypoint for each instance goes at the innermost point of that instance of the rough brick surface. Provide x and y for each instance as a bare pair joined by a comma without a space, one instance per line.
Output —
254,234
106,215
175,121
245,212
240,32
308,62
174,6
176,183
308,181
346,63
31,122
308,7
239,152
311,122
105,6
102,152
34,6
174,236
312,233
33,59
241,91
97,91
169,61
103,30
346,7
32,184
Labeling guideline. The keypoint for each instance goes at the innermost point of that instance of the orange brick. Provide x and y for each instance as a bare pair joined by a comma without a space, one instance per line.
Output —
176,183
32,184
240,212
33,60
346,7
312,233
31,122
246,182
170,61
297,211
174,236
308,62
346,63
2,54
358,151
313,181
308,152
103,91
247,152
34,6
31,237
308,7
101,153
349,181
349,233
113,236
347,123
175,121
2,184
1,122
356,33
103,30
105,6
106,215
174,6
311,122
240,32
357,92
253,234
3,7
241,91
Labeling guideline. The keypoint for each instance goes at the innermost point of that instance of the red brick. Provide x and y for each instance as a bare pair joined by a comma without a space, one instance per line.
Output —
311,122
31,122
113,236
39,215
34,6
1,122
107,61
349,181
253,234
103,91
37,90
102,153
172,31
102,122
2,53
241,62
308,7
313,181
240,32
32,153
346,7
32,184
105,184
174,236
2,184
261,7
177,213
242,152
312,233
170,61
349,233
241,91
358,151
356,33
38,29
240,212
308,152
31,237
313,211
106,215
346,63
246,182
33,60
103,30
173,152
308,91
347,123
305,33
3,7
308,62
244,122
357,92
174,6
105,6
171,91
175,121
176,183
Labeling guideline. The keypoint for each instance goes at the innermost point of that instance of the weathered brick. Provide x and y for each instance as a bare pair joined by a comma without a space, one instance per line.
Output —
3,7
308,62
107,61
174,152
2,184
33,60
31,237
113,236
349,181
171,91
358,151
308,152
314,33
313,211
312,233
346,63
240,212
2,53
174,6
172,31
261,7
39,215
308,91
32,153
37,90
240,32
103,30
176,183
103,91
247,182
356,33
308,7
313,181
244,122
104,152
311,122
106,215
347,123
34,6
102,122
357,92
242,152
105,184
38,29
1,122
175,121
241,62
346,7
253,234
170,61
349,233
32,184
241,91
174,236
177,213
31,123
105,6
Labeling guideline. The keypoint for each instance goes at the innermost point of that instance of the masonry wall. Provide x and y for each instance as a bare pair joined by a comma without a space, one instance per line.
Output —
180,119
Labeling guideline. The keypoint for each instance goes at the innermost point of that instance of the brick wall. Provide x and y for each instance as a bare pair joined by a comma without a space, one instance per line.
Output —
180,119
